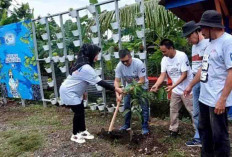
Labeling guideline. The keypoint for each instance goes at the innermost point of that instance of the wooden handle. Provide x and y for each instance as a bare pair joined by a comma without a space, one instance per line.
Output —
114,117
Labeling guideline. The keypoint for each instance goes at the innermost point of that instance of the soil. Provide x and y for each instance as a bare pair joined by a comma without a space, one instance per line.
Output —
117,143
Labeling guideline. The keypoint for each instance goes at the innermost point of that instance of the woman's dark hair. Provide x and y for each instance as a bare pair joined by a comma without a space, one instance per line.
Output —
122,53
167,43
86,55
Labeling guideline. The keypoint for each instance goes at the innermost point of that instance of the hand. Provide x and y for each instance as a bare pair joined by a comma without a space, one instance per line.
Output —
169,88
154,88
187,91
85,96
220,106
119,90
118,97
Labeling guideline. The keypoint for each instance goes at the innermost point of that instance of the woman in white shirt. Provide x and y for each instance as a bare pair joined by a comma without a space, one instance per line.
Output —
72,89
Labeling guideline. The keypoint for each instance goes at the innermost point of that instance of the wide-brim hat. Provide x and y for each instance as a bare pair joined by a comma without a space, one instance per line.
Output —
189,28
211,18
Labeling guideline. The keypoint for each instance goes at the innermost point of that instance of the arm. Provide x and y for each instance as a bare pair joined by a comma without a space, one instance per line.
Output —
221,103
195,80
117,82
161,78
181,79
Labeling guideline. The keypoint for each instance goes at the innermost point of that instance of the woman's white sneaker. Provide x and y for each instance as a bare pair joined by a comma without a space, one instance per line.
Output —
78,138
86,135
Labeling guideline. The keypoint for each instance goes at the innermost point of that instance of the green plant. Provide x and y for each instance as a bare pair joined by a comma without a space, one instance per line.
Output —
47,66
54,54
61,64
99,100
139,15
71,52
139,97
52,96
49,79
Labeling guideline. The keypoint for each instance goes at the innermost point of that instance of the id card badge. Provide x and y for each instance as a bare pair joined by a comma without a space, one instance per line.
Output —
205,67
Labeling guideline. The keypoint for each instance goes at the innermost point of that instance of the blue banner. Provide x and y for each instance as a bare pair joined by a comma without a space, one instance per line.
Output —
18,68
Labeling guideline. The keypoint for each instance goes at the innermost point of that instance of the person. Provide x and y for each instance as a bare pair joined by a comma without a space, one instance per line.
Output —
176,64
215,94
129,69
74,86
194,36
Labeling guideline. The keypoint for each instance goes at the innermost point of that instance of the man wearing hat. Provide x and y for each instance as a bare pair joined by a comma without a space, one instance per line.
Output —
194,36
216,85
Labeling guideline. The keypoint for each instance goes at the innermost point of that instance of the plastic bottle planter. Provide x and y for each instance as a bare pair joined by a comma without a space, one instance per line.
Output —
85,103
110,109
93,29
77,43
53,101
93,106
115,37
142,55
45,47
48,70
95,40
116,55
91,9
137,1
60,45
42,21
132,53
70,57
59,35
139,20
73,13
62,59
63,69
44,36
101,106
75,33
140,34
107,56
98,71
99,56
121,108
51,84
47,60
55,59
114,25
99,88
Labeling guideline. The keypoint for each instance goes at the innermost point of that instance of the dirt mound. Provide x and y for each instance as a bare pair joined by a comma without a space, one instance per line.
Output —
143,144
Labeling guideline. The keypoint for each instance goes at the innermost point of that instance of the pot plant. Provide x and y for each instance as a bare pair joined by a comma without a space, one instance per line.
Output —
48,68
107,56
115,36
75,33
62,67
76,43
46,58
116,49
44,36
61,57
59,35
53,99
140,32
55,57
139,19
50,82
110,107
114,24
70,56
93,106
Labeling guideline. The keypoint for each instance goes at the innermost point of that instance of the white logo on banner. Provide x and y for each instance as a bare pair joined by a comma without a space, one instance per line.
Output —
12,58
9,39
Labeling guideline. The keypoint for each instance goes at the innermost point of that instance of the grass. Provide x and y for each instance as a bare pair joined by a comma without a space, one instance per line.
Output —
15,142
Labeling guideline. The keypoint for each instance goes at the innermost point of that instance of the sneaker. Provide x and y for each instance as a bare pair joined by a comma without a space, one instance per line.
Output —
145,131
173,134
77,138
86,135
193,143
124,127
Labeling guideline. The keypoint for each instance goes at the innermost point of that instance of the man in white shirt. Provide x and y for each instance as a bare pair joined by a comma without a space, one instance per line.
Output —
176,64
216,85
129,69
194,36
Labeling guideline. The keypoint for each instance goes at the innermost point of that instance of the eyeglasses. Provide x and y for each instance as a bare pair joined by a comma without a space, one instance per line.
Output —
125,61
